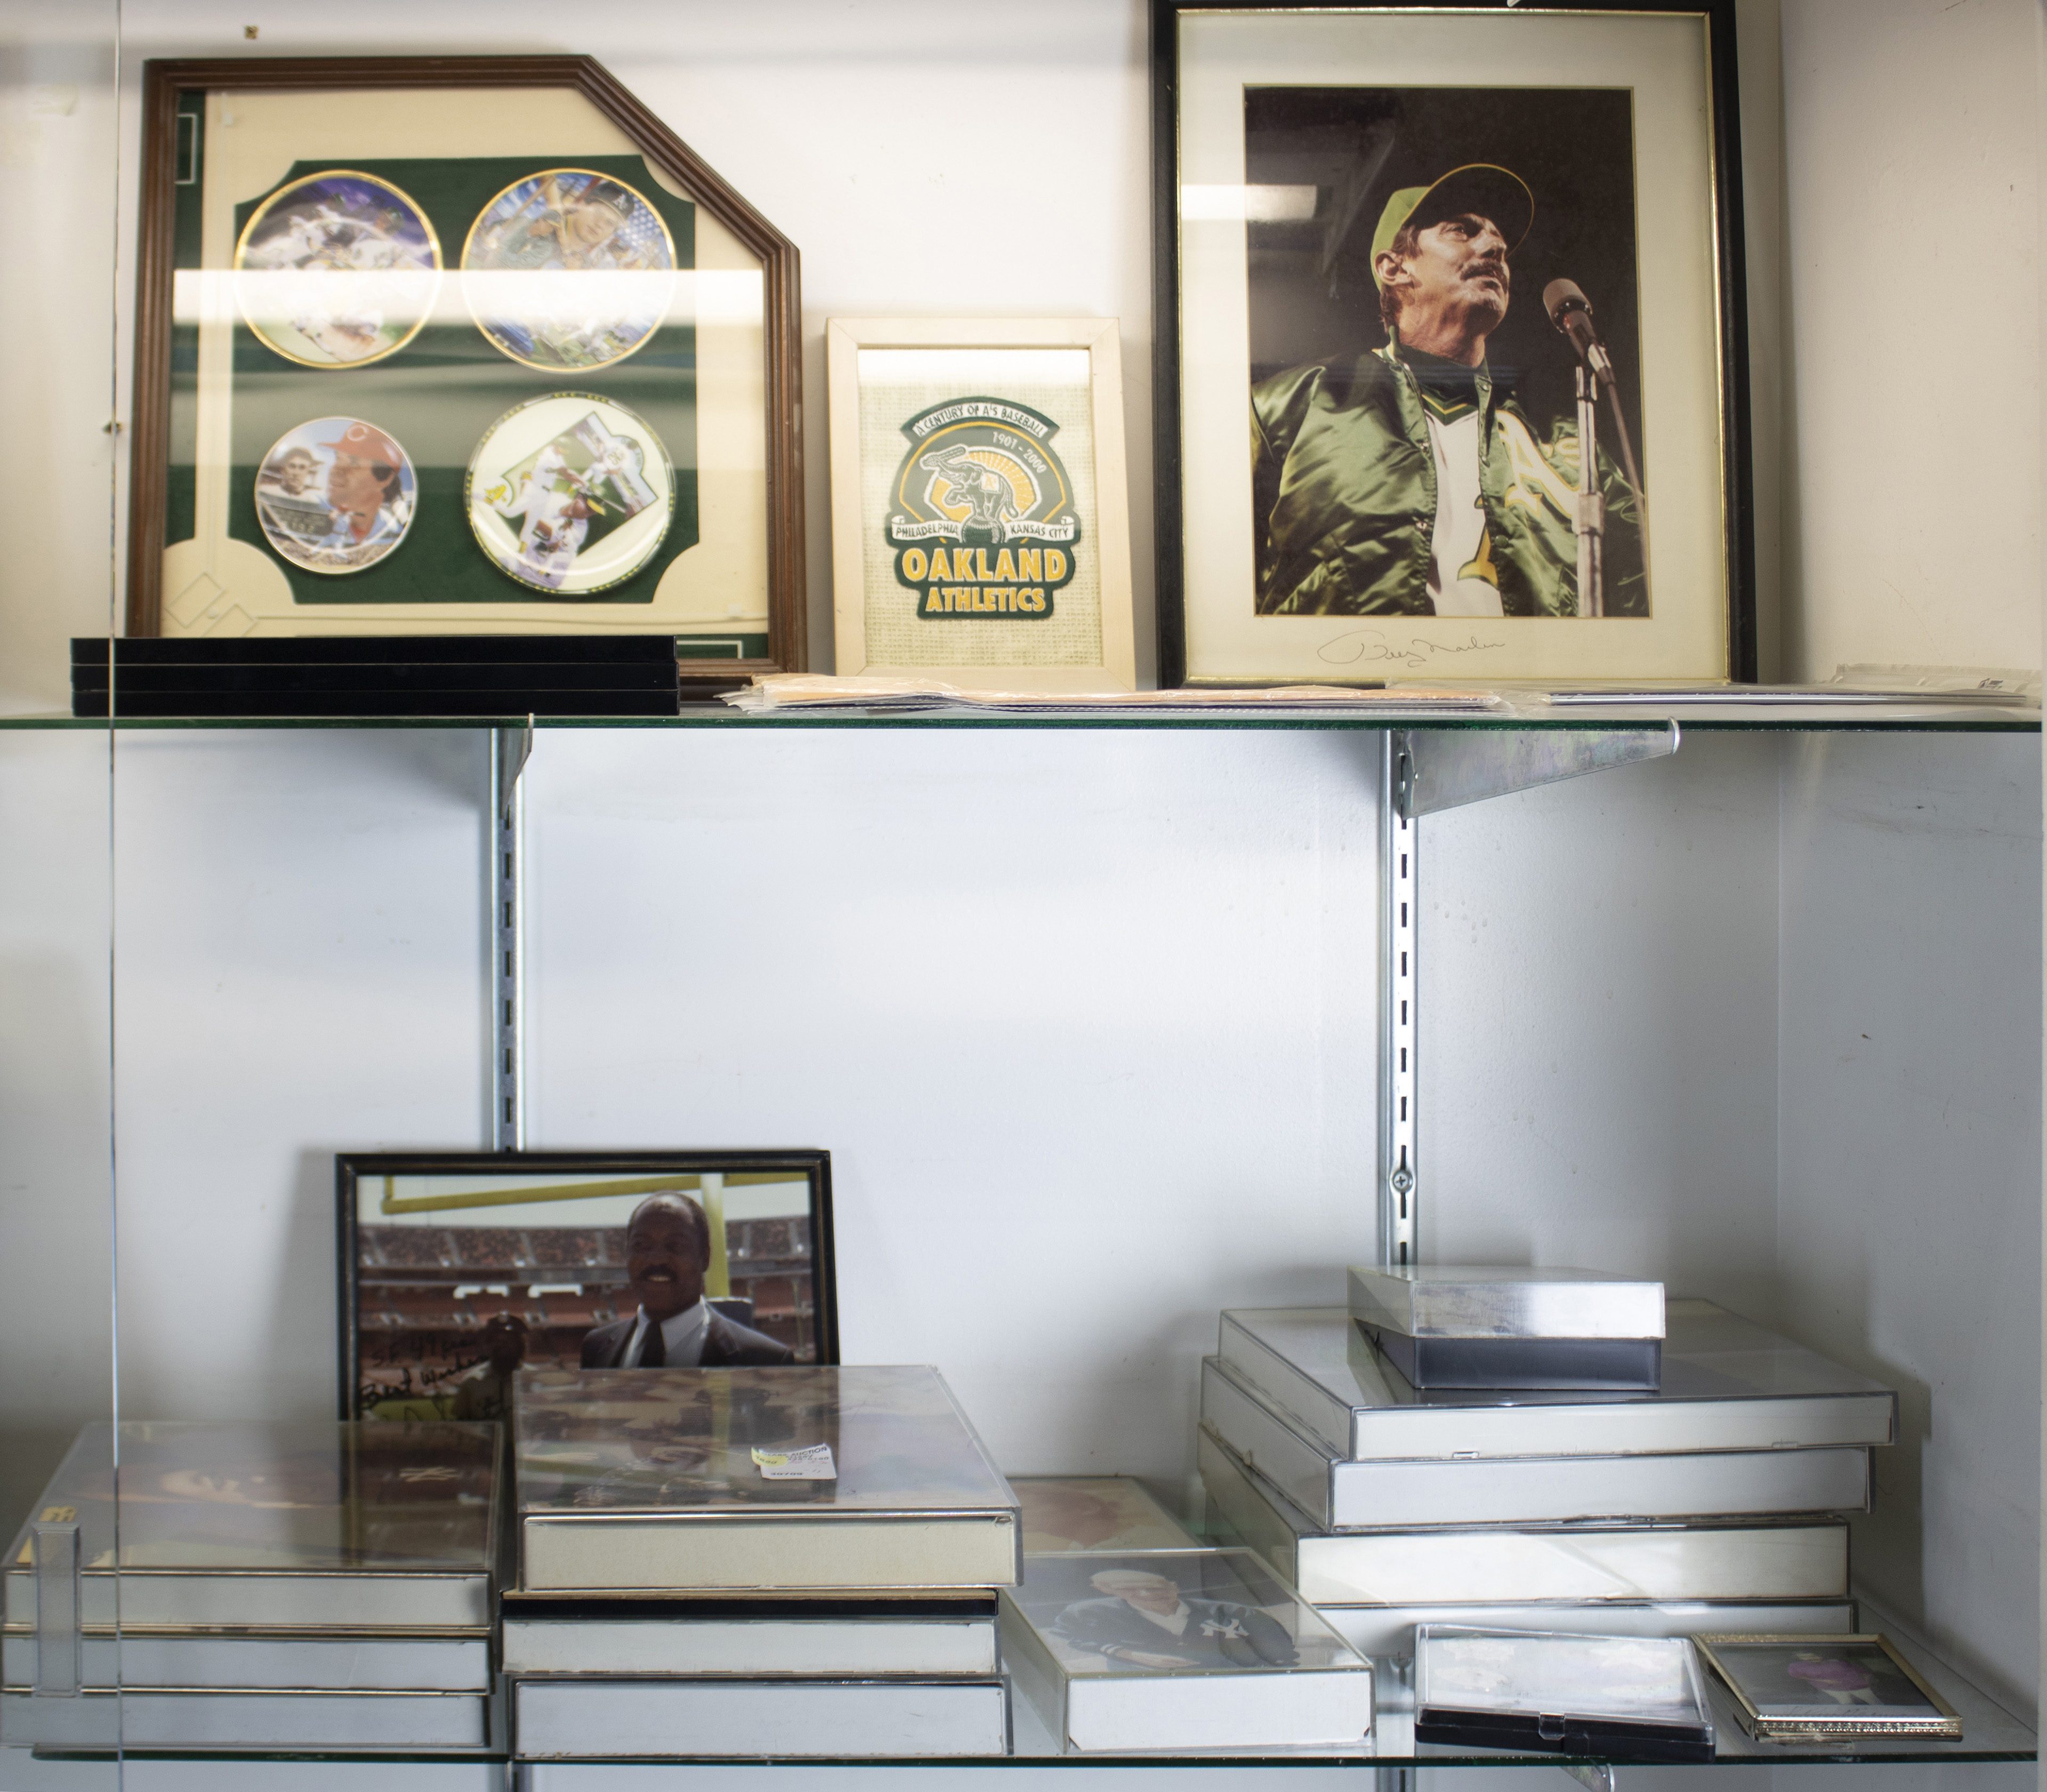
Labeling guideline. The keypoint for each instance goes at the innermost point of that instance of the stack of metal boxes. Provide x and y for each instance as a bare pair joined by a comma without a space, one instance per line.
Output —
257,1587
1552,1449
744,1563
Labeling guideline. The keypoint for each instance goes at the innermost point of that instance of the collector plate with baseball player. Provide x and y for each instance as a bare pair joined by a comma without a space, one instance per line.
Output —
336,270
335,494
569,269
570,494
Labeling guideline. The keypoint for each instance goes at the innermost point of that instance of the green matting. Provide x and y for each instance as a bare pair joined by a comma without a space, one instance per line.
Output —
437,397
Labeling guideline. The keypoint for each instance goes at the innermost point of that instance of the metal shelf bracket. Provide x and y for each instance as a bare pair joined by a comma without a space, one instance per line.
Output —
1448,769
505,879
1422,772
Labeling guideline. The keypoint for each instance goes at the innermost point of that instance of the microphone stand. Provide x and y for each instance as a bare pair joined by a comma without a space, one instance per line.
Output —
1589,524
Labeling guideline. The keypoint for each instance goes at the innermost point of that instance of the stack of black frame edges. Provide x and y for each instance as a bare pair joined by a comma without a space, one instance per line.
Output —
297,675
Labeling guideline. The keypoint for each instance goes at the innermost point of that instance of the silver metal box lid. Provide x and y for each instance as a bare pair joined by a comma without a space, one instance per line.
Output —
1464,1300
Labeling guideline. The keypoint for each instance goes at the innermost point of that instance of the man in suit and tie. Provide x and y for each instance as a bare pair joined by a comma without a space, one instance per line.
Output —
1145,1621
667,1249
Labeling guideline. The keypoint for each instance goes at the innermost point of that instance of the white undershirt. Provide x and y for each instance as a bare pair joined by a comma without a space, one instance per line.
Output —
683,1332
1459,521
1175,1620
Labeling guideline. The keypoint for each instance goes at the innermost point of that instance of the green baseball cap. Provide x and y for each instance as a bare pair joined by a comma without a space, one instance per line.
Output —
1491,191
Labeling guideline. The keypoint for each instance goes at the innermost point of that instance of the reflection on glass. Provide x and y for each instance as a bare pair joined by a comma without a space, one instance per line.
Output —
656,1439
570,494
527,248
336,270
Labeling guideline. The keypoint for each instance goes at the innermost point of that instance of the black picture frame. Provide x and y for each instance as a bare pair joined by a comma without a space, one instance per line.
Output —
1735,457
458,1265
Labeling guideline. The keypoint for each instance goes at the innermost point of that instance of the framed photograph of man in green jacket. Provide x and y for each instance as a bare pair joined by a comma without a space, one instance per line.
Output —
1452,384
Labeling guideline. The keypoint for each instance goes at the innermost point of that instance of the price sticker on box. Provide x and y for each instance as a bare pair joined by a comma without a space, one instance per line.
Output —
811,1464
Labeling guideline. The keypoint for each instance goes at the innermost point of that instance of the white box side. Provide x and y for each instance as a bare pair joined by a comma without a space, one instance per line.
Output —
1539,1490
744,1719
1275,1710
743,1646
268,1663
1387,1630
252,1721
629,1554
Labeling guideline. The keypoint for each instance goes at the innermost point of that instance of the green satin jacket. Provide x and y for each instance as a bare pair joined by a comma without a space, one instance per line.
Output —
1344,484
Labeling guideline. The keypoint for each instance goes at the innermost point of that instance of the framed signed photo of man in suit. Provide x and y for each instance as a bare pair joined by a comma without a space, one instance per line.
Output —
460,1269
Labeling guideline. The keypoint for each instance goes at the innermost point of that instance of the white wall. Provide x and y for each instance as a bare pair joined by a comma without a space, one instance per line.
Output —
58,135
1912,254
56,1216
1599,990
300,967
1908,1169
1084,1020
1775,1037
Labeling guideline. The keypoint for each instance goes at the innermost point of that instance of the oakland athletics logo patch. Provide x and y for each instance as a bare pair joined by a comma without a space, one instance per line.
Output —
982,515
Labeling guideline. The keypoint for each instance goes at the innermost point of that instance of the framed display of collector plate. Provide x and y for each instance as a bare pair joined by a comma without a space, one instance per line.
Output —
459,1268
566,348
1408,259
981,528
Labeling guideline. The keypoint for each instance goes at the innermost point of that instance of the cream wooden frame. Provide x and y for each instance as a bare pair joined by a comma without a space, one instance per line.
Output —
844,339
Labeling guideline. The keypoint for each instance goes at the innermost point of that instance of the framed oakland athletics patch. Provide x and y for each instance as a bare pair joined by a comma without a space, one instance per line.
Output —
980,521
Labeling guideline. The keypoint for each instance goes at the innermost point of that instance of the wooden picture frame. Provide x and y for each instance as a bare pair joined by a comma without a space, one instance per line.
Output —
1040,599
1298,529
431,1246
723,355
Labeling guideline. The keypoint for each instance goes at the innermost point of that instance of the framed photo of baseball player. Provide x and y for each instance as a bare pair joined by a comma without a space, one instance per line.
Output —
980,526
1450,375
457,345
459,1269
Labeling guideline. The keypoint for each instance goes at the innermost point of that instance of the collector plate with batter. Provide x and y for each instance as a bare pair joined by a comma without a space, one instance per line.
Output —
570,494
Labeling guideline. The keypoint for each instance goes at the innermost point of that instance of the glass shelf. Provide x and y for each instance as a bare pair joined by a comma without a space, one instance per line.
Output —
1901,717
1990,1733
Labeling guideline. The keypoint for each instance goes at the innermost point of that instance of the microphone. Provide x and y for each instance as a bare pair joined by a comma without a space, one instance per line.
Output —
1572,312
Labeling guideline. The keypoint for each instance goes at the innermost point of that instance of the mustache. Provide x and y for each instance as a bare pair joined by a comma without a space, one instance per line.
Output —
1493,264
